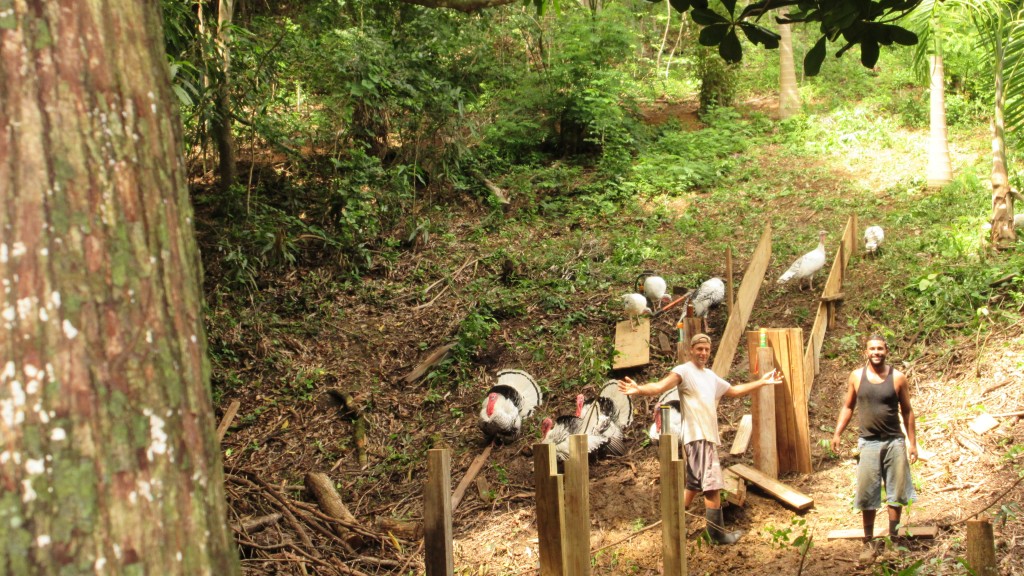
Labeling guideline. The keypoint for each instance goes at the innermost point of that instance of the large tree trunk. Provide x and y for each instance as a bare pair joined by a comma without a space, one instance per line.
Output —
789,97
940,170
1003,234
109,462
227,167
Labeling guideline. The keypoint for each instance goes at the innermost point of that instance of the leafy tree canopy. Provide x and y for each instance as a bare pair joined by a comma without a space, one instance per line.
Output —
863,22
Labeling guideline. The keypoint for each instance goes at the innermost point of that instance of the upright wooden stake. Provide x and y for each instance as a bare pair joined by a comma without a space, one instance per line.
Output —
730,298
981,548
550,511
673,513
577,508
691,326
762,409
437,514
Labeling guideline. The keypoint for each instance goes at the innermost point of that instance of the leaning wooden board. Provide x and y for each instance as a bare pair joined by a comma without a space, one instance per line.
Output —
788,496
632,344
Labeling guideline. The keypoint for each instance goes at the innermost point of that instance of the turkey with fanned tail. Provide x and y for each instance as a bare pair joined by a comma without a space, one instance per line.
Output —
513,398
675,423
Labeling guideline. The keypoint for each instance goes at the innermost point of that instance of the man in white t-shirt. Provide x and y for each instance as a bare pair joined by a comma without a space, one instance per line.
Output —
700,389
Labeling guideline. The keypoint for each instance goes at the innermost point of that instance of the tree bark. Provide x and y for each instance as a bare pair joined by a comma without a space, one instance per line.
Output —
222,127
789,97
1003,234
940,170
109,462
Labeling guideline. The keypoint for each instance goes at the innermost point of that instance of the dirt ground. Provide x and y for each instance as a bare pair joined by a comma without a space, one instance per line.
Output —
364,340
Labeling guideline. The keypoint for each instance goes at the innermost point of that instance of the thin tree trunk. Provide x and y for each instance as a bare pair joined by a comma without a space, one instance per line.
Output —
940,170
227,167
789,97
109,461
1003,234
672,54
664,36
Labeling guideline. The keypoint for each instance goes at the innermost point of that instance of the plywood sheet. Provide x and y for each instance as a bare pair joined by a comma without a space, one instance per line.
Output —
632,344
743,432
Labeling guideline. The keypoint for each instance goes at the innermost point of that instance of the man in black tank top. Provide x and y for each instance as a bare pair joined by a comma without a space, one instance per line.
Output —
883,395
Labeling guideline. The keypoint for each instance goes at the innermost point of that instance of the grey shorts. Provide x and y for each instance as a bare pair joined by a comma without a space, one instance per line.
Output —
703,471
883,461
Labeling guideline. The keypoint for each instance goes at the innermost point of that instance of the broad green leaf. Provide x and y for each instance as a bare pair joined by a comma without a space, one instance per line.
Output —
815,56
869,52
760,35
706,17
730,5
713,35
730,49
680,5
901,35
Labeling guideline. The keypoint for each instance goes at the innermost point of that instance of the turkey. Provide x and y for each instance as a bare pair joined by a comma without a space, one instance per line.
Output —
635,305
675,423
557,431
711,293
656,291
873,238
508,402
1018,221
806,265
614,412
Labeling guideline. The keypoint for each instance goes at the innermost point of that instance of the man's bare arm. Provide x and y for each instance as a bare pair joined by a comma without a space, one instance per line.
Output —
846,411
628,387
903,393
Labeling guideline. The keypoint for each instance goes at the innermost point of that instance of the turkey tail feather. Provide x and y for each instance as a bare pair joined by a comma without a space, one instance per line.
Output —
623,405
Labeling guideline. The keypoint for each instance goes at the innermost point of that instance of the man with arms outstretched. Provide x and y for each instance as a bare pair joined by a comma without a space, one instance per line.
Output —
700,389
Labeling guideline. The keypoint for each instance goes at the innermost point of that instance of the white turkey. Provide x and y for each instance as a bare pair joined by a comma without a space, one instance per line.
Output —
873,238
614,412
656,291
1018,221
513,398
635,305
806,265
675,424
711,293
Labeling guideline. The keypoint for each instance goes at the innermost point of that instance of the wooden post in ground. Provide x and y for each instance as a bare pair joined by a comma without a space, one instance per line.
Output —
577,508
437,514
691,326
729,294
762,410
792,429
981,548
673,513
550,511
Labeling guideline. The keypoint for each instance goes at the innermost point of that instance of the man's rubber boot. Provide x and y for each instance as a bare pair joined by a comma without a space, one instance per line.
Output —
716,527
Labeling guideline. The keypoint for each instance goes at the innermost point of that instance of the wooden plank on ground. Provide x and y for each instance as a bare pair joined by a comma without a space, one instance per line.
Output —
983,423
753,277
858,533
743,432
735,488
632,344
437,355
788,496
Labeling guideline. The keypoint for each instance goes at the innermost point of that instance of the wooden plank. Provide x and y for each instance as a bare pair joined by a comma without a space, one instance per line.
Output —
730,298
743,432
437,514
858,533
673,514
664,345
471,473
577,507
225,422
764,403
632,344
691,327
437,355
788,496
735,488
550,512
753,277
801,419
982,424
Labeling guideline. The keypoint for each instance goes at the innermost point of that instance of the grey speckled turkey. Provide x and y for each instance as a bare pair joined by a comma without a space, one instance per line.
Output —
873,238
806,265
711,293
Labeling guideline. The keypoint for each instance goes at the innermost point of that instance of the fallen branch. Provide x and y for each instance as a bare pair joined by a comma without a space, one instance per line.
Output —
225,422
253,524
474,469
322,488
990,504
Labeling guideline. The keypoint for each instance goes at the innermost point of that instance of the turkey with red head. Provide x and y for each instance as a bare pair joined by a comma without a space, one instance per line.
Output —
513,398
675,424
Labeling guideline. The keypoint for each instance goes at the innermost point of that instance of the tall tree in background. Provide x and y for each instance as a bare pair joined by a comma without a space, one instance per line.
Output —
926,21
109,462
227,167
789,97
